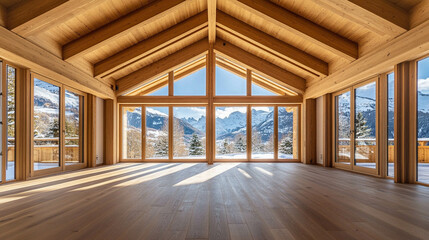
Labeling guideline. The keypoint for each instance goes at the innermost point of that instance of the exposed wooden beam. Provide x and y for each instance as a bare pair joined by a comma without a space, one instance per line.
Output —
302,27
257,99
34,16
408,46
3,16
19,50
253,62
273,45
150,45
211,8
163,99
379,16
161,67
120,27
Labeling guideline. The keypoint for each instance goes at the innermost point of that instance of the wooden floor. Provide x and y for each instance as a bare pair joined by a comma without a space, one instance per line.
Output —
222,201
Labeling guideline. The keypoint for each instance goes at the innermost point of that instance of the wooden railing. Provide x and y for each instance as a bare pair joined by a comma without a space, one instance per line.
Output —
368,151
46,150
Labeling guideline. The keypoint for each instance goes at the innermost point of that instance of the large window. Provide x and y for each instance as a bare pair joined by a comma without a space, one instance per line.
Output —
231,132
342,128
46,125
423,120
229,84
132,132
157,130
263,133
288,131
189,132
391,124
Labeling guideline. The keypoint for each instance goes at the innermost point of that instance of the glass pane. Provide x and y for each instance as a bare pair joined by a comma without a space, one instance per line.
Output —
156,132
365,121
390,126
342,128
231,131
132,132
229,84
189,132
263,132
46,125
1,123
11,107
261,91
72,141
163,91
192,85
423,120
288,132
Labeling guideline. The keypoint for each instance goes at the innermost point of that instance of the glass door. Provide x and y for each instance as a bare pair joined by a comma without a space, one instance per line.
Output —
73,128
58,127
356,128
343,128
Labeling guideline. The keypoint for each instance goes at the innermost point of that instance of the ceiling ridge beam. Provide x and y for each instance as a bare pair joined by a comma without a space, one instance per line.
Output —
34,16
150,45
211,9
156,69
119,27
269,43
274,72
302,27
380,16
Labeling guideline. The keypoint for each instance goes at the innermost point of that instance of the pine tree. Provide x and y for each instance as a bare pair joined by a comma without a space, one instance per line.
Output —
286,146
54,130
240,143
179,147
195,146
362,129
224,148
161,145
257,144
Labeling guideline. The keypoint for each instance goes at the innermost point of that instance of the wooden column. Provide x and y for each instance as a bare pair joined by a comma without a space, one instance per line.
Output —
91,142
309,124
405,122
210,129
296,131
383,119
111,133
327,130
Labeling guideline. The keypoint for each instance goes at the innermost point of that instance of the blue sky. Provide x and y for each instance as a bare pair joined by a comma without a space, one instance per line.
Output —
423,75
227,84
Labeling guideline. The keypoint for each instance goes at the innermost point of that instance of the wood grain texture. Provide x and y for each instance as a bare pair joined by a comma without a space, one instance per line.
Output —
302,27
220,201
119,27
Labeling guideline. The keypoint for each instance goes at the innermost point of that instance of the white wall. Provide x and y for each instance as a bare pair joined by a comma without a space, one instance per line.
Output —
99,148
319,130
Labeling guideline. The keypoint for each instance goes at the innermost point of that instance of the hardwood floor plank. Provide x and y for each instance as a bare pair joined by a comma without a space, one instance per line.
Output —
200,201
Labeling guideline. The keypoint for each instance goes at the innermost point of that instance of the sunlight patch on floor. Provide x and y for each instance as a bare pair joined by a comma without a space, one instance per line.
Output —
208,174
244,173
264,171
156,175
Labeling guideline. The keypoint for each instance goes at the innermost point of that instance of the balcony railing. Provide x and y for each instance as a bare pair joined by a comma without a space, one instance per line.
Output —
46,150
366,152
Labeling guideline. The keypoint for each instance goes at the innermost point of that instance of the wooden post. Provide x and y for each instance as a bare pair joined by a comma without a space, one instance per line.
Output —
111,119
327,130
296,131
210,129
405,122
309,124
383,119
92,130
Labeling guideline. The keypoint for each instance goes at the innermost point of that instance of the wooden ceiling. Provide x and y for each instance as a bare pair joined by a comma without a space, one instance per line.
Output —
131,41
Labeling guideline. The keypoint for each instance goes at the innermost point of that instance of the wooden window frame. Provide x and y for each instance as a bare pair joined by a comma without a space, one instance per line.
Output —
351,166
83,128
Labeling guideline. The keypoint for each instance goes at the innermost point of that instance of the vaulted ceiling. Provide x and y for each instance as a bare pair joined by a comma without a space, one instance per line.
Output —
123,43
